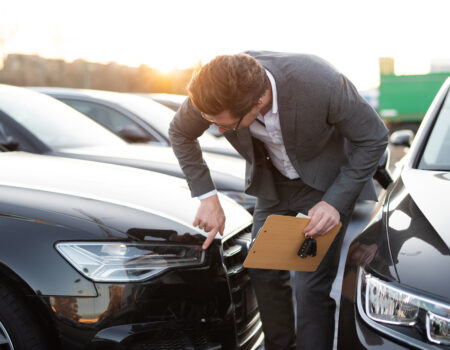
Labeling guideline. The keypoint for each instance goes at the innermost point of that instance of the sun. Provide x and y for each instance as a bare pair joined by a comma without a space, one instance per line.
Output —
164,67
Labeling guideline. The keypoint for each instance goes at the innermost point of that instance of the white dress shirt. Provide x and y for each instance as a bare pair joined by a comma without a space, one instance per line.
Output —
267,129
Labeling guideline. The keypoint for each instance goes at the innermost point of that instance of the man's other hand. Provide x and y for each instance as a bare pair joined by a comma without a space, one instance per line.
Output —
210,218
324,218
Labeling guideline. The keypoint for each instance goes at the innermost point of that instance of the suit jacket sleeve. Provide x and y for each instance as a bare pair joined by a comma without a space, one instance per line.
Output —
186,126
358,122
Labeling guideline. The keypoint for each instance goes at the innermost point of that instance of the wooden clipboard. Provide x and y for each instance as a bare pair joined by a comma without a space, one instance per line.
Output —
278,242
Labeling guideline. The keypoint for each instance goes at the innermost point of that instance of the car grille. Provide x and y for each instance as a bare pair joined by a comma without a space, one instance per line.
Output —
247,319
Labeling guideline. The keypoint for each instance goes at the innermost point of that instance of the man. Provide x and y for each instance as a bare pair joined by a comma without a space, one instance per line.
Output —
311,144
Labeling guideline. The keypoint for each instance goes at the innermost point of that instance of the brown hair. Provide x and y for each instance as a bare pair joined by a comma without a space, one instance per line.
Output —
228,82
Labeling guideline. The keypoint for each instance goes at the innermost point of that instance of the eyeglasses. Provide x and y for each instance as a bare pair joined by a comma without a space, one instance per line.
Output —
225,127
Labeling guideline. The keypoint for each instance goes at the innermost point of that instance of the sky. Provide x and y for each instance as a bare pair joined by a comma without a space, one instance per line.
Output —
170,34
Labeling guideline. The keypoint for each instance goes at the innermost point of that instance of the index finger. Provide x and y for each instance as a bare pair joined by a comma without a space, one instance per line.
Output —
221,229
210,238
196,221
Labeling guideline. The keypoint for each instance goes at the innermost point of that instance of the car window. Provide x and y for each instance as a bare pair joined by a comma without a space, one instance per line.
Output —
436,155
53,122
106,116
154,113
8,135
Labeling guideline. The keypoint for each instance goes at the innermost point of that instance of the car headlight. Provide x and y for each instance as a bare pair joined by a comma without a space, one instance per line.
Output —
127,262
386,303
392,304
247,201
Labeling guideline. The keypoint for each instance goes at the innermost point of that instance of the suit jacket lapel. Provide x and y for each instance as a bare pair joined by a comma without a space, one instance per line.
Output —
241,139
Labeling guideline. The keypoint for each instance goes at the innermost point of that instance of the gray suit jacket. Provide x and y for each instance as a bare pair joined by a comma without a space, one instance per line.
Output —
333,138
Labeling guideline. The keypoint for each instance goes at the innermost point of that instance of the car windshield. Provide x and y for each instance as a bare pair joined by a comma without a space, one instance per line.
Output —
53,122
436,155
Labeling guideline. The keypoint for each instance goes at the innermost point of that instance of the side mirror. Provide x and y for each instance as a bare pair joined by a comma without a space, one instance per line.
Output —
382,174
401,138
133,134
9,143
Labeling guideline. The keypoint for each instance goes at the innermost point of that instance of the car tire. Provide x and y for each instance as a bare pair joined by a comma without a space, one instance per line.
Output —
19,330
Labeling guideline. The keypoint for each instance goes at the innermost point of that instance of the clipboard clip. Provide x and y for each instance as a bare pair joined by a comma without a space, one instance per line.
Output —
308,248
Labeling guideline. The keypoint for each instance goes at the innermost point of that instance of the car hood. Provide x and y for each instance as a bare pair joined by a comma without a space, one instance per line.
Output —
230,166
217,145
141,190
419,238
431,192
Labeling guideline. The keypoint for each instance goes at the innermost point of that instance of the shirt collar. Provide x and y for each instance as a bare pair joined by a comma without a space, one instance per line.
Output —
274,92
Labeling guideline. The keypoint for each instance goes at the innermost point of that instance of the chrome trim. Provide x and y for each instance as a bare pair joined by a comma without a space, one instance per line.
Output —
258,342
4,337
234,270
251,323
256,329
233,250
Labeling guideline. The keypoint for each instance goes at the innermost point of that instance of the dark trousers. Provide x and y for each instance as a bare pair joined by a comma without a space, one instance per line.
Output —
273,288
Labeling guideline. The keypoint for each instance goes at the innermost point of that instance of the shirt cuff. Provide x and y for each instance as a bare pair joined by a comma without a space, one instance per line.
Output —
208,194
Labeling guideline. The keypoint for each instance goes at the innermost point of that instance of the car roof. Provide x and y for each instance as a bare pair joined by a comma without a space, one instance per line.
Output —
60,91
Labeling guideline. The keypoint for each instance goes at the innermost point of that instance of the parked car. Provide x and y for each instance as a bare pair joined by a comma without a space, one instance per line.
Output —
135,119
33,122
396,287
99,256
174,101
105,107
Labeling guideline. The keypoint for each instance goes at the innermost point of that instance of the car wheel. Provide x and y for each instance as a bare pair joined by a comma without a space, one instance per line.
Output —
18,328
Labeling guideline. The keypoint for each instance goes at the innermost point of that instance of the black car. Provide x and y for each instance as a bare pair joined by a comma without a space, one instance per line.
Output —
135,119
99,256
33,122
396,286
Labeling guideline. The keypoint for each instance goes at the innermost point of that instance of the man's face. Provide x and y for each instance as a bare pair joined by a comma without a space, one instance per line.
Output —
225,121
